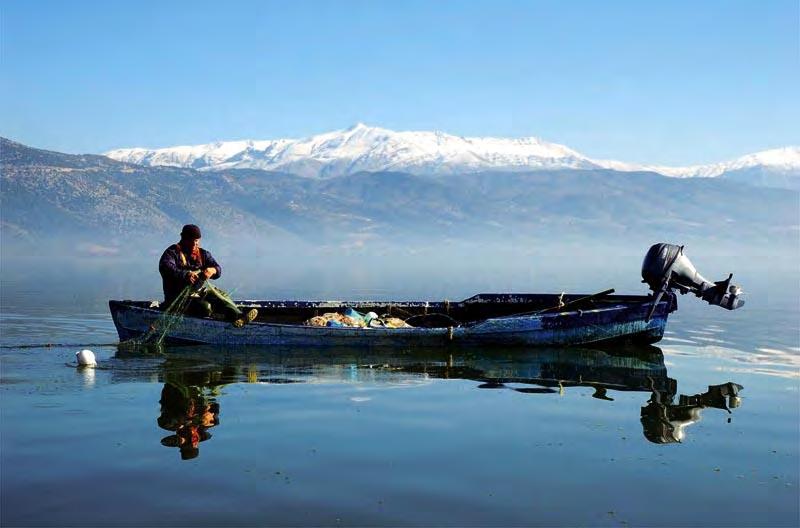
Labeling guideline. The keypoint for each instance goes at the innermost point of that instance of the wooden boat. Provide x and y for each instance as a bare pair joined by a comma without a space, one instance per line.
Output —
485,319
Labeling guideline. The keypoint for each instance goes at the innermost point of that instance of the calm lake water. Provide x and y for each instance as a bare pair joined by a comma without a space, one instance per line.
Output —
198,436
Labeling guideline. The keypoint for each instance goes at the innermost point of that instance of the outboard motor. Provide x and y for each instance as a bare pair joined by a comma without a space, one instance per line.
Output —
666,268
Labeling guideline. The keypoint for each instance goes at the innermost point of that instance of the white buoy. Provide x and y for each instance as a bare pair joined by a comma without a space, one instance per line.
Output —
86,358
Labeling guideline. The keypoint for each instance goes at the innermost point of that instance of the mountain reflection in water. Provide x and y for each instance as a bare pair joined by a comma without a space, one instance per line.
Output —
193,378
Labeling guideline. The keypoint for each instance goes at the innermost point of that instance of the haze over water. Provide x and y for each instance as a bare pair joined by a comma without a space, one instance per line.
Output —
398,437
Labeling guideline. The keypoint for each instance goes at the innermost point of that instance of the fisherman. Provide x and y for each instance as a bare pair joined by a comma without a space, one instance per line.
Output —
185,264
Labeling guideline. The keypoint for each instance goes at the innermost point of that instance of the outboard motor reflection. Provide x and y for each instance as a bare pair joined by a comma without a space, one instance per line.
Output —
665,422
666,268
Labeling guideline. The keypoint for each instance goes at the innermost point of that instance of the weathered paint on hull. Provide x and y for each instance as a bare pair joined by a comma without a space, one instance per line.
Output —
621,322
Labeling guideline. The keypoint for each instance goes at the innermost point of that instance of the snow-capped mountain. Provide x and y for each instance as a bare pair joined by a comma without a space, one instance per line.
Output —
364,148
783,159
79,200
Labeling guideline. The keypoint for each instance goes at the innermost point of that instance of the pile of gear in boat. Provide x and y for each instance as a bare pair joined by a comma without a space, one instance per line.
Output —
353,319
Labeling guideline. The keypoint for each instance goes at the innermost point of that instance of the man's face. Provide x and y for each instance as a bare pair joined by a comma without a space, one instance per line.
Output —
190,243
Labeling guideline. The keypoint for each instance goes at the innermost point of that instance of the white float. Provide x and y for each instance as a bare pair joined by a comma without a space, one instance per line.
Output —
86,358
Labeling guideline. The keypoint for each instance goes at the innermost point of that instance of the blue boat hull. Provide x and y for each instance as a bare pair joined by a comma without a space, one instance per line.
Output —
623,321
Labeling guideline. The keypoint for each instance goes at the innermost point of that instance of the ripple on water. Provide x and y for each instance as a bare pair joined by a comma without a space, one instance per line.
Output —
763,360
711,340
700,332
783,357
777,372
680,340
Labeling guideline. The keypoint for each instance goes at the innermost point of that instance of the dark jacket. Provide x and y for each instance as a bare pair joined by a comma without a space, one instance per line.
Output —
175,266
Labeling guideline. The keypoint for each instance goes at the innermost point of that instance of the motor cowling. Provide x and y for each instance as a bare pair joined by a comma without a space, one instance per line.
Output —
665,268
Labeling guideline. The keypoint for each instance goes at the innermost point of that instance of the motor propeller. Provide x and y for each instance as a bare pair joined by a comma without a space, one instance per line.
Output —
666,268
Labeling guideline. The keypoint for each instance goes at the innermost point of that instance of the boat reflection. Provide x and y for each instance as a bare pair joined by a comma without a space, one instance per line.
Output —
193,378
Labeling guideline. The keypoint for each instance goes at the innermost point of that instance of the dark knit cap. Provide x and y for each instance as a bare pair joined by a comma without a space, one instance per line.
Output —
191,232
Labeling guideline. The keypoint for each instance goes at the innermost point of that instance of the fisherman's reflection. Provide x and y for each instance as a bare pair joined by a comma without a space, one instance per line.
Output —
665,422
189,413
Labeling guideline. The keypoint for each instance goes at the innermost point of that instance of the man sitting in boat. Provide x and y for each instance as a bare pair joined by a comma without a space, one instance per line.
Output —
187,264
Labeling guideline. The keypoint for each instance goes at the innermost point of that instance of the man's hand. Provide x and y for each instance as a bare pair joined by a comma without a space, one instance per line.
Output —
193,276
209,272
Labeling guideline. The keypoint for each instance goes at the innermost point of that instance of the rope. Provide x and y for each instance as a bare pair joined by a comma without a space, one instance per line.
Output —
58,345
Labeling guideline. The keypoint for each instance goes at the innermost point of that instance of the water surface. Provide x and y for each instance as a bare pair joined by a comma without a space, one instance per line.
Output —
202,436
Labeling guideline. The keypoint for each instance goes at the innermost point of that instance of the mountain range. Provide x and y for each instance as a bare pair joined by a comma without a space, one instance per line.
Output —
53,202
372,149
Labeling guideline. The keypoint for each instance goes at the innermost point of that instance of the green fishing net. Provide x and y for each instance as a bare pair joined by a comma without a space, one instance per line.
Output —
174,314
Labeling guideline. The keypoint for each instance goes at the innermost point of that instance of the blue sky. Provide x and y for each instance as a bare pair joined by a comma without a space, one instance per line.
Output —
674,82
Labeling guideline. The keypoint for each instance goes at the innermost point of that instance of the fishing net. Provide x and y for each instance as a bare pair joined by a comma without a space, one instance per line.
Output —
354,319
174,314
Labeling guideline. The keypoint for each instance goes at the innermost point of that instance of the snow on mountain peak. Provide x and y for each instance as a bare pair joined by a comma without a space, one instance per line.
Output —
781,159
366,148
